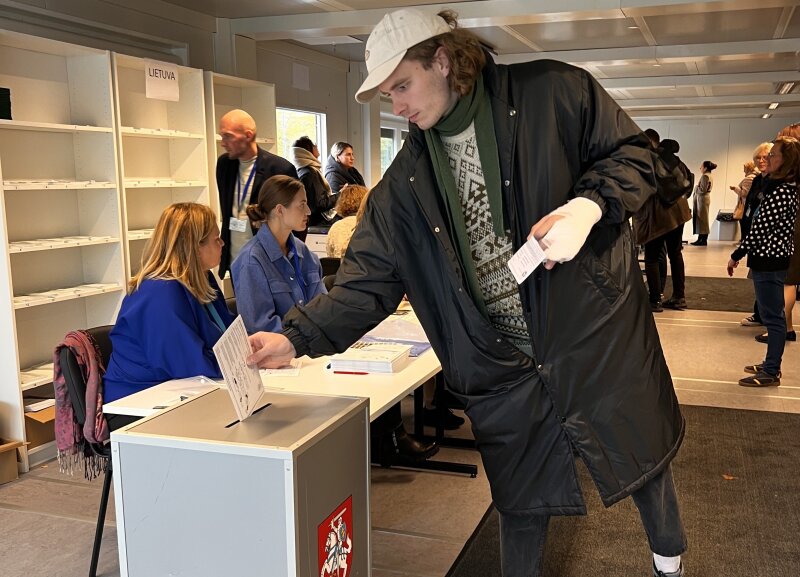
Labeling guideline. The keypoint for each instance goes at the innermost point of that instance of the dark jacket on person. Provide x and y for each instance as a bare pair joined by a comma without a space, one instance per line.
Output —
337,175
267,165
607,390
754,197
317,195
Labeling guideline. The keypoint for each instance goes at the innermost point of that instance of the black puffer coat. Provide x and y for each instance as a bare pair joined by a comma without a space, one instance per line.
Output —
337,175
598,380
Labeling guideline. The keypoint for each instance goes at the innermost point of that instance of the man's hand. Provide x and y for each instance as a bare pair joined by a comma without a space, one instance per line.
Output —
732,264
270,350
562,232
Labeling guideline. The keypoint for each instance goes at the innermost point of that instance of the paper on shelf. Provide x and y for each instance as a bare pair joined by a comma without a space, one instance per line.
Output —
243,381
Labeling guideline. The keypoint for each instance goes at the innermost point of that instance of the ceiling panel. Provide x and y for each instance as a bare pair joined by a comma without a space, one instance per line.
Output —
250,8
388,4
678,92
740,89
793,30
752,63
577,34
701,28
351,52
502,41
642,68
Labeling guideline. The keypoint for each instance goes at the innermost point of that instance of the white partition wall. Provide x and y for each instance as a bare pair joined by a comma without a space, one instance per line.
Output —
226,93
63,261
163,149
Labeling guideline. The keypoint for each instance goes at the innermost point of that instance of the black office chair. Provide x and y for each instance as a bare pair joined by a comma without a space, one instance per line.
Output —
330,265
76,387
230,302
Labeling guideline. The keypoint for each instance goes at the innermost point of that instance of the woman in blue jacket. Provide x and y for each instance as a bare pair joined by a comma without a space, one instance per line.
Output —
174,312
275,270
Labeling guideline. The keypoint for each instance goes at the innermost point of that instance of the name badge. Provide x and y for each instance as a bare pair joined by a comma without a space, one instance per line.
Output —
238,224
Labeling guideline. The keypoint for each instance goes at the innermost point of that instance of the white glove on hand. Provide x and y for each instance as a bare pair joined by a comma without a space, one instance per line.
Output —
567,235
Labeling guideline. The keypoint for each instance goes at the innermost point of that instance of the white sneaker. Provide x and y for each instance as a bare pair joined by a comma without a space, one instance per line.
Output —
750,322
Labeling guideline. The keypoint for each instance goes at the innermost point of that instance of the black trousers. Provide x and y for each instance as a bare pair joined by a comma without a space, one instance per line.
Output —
652,250
522,537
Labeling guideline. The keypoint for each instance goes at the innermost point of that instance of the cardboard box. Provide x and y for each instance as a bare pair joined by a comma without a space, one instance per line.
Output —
8,460
40,427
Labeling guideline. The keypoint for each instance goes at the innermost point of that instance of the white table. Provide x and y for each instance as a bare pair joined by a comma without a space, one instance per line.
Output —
383,391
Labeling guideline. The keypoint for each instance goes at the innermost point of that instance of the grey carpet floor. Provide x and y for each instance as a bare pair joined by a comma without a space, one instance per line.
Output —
738,480
717,294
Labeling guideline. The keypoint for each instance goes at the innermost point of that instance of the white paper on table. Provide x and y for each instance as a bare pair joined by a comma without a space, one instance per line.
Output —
244,382
290,370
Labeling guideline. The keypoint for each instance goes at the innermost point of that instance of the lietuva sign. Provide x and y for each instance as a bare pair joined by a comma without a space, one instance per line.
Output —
161,80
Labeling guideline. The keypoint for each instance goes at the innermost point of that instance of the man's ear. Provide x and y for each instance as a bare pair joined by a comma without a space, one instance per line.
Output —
442,59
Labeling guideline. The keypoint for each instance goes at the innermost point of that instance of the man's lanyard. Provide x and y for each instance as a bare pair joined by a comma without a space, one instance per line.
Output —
241,193
298,274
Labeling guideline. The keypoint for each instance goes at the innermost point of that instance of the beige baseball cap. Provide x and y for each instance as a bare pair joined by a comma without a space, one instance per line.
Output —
390,40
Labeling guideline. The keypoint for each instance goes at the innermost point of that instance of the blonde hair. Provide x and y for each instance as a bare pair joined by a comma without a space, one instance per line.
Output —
761,150
349,199
172,253
362,207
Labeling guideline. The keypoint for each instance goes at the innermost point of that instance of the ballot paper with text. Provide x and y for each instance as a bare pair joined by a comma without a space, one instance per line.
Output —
243,381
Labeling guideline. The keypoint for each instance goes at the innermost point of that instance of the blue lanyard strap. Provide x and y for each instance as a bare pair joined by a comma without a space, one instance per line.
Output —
298,274
215,316
241,192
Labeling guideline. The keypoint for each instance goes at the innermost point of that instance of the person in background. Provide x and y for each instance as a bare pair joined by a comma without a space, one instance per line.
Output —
275,271
741,190
769,247
655,142
321,200
240,173
751,203
658,228
339,169
702,202
792,280
348,206
565,361
174,312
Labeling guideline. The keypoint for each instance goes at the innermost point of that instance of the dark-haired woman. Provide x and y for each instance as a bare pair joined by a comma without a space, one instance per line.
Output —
321,200
340,169
702,201
274,270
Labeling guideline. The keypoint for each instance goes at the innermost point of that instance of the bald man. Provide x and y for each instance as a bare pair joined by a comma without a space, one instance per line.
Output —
240,173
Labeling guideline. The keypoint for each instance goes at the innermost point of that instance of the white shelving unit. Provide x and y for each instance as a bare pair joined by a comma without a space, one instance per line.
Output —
63,259
226,93
163,150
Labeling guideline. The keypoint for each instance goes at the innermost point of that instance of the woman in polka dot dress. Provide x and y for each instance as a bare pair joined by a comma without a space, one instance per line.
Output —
769,245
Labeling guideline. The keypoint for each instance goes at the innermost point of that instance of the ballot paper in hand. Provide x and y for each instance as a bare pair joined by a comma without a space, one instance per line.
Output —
243,382
526,259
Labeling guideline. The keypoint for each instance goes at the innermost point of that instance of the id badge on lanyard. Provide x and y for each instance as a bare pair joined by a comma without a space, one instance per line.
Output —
240,224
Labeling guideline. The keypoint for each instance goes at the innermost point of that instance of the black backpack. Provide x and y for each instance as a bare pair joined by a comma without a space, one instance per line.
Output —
673,177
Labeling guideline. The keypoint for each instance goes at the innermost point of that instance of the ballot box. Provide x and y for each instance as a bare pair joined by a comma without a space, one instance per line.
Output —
283,493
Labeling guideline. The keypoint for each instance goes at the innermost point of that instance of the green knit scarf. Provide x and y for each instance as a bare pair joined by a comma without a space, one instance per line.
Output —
471,107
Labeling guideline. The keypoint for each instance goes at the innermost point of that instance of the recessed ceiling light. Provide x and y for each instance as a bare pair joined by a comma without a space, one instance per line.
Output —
657,65
786,88
765,116
633,27
773,105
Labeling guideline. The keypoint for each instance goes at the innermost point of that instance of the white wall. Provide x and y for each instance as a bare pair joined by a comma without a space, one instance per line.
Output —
727,142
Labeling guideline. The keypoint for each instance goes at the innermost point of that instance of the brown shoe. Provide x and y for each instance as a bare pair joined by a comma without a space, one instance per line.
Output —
761,379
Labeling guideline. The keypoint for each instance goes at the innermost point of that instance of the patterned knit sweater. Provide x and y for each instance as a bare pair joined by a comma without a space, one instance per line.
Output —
770,243
490,253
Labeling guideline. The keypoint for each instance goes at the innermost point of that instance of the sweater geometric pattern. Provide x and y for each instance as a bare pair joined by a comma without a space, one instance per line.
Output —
490,253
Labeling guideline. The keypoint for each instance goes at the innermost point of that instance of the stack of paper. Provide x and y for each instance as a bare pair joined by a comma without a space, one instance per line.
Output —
366,357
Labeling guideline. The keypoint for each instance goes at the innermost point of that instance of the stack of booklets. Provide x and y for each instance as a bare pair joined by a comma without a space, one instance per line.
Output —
365,357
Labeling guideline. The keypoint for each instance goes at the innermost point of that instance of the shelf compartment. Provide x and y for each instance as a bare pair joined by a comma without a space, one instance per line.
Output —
57,243
158,133
36,376
161,183
140,234
259,140
57,184
50,126
64,294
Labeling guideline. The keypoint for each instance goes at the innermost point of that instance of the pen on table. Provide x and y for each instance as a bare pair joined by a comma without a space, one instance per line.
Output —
349,373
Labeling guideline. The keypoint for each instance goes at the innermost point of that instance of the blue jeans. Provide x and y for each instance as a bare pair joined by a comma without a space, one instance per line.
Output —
769,296
522,536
